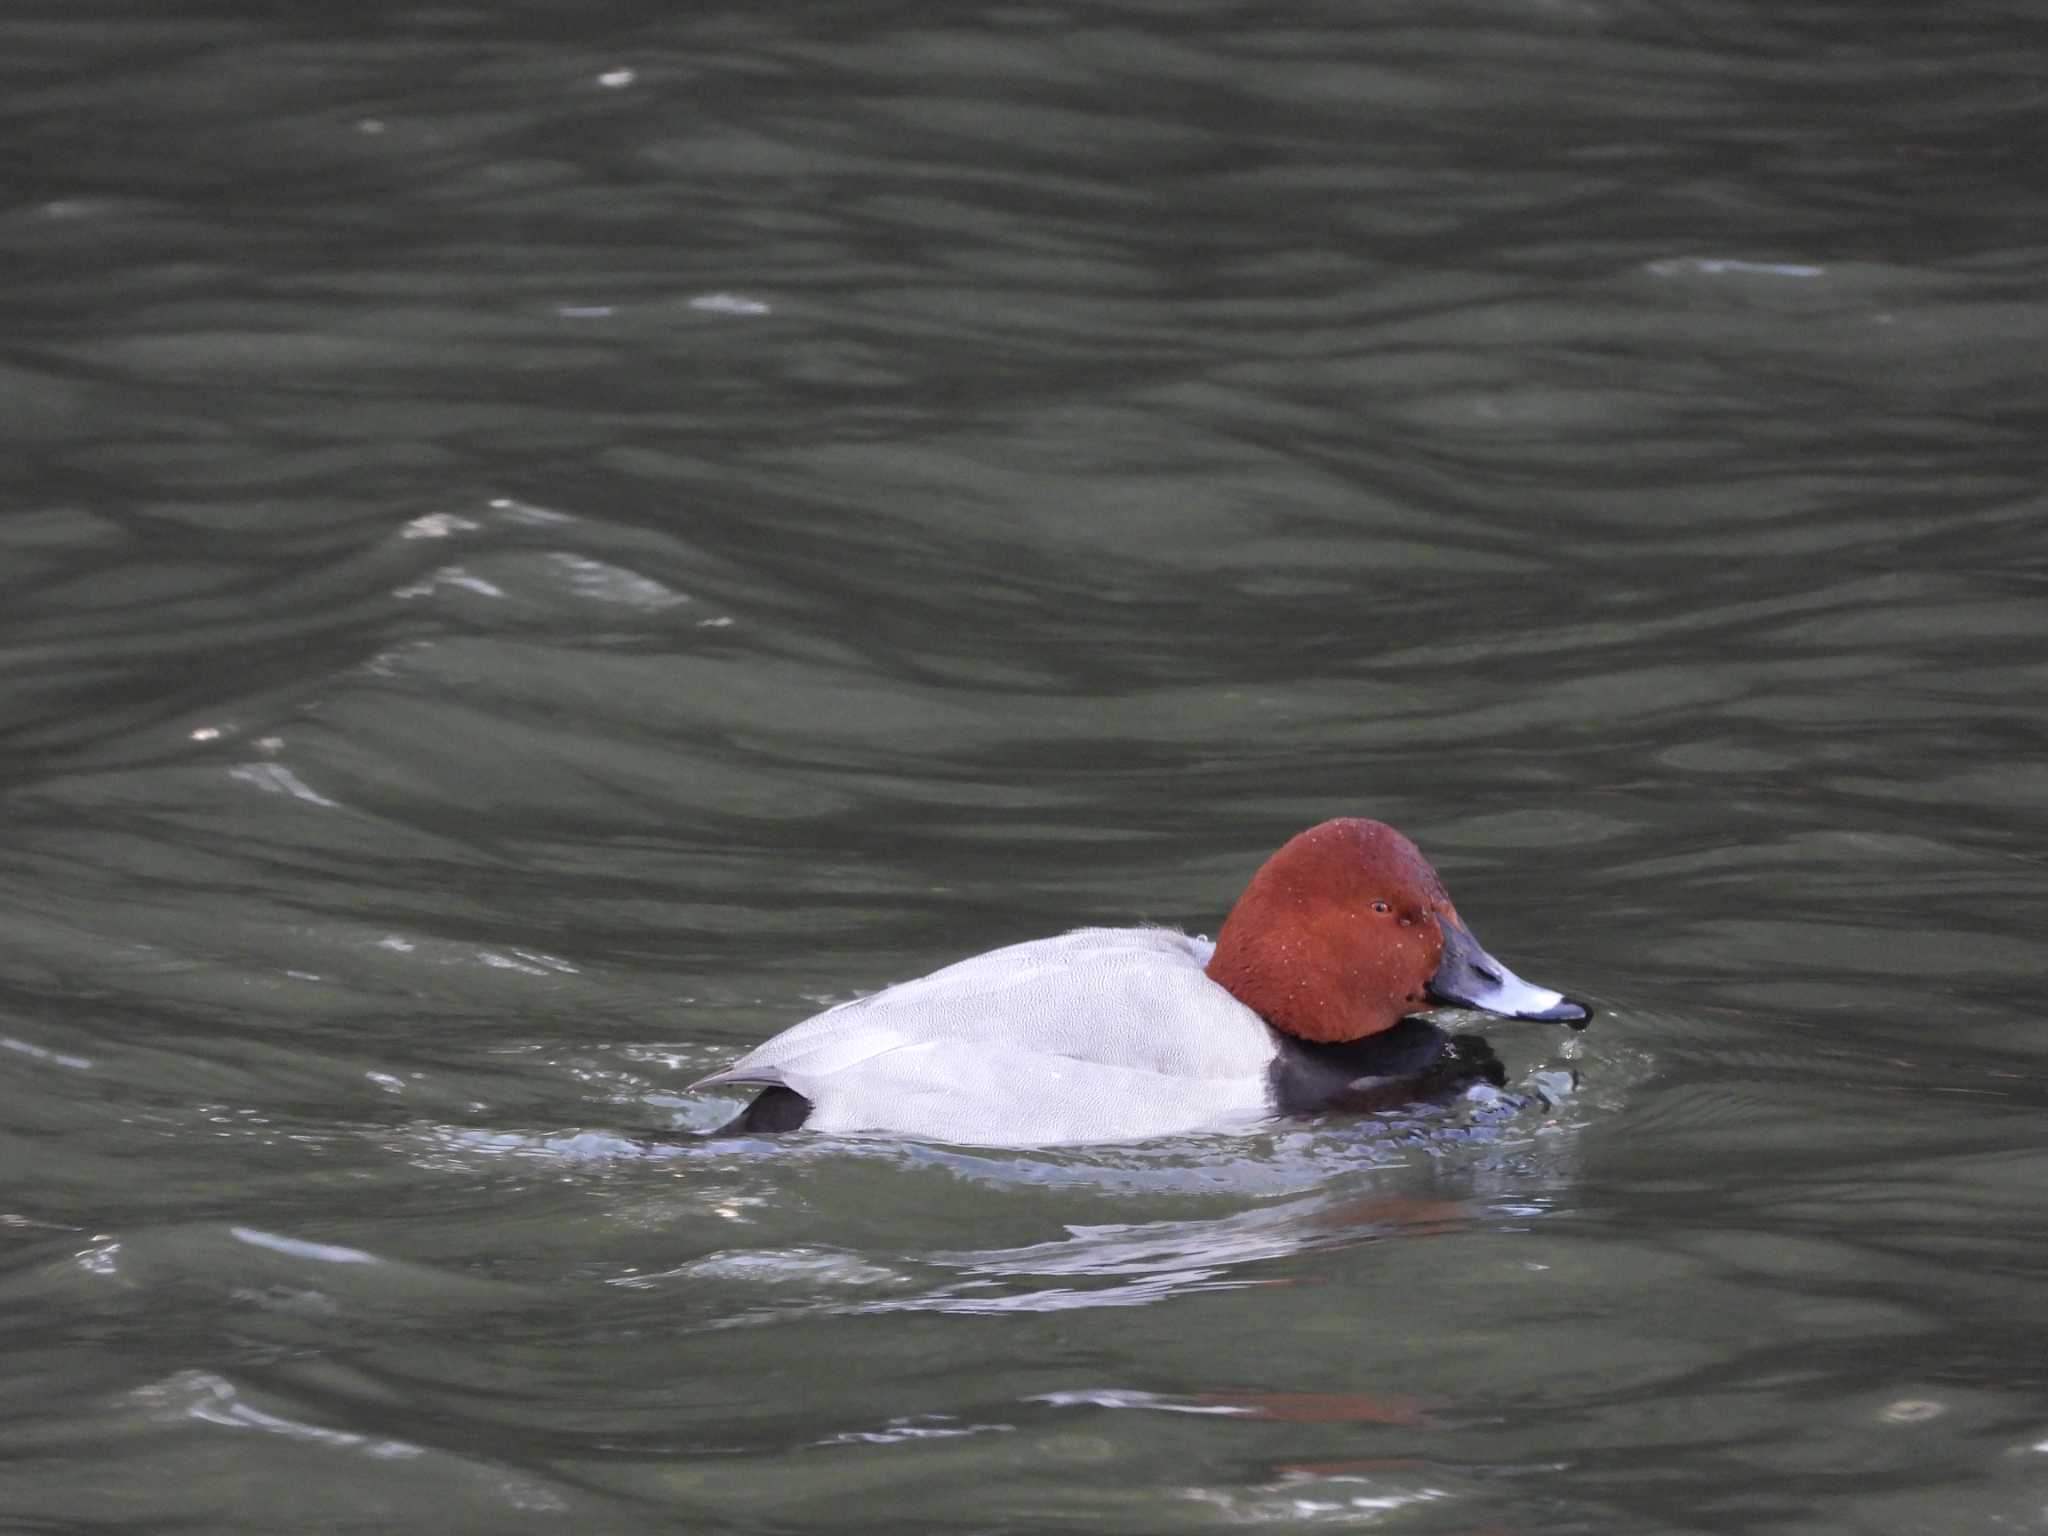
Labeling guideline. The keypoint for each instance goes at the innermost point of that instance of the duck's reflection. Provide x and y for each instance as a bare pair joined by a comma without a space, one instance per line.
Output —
1135,1264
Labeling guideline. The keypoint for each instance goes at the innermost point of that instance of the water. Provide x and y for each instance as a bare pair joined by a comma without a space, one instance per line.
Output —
539,545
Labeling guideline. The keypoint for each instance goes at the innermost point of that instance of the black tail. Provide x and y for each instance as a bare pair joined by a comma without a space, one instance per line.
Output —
773,1109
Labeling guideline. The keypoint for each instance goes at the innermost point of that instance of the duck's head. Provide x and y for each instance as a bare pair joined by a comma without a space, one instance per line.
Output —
1347,930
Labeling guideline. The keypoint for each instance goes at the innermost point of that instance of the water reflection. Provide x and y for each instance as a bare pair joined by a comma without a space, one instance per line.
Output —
1138,1264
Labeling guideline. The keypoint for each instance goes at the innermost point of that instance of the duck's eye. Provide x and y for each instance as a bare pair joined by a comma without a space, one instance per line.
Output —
1381,906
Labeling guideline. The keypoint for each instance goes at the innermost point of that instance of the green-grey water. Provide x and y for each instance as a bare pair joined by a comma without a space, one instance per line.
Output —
539,544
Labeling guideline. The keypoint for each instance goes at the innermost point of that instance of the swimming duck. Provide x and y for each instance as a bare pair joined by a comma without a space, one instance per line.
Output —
1305,1002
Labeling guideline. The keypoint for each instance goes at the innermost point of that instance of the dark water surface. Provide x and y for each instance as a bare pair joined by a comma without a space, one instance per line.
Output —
539,542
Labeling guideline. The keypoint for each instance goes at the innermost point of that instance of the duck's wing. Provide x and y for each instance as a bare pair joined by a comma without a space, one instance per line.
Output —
1100,1034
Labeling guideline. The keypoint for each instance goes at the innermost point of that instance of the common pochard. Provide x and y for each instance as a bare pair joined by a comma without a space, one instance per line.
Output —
1120,1034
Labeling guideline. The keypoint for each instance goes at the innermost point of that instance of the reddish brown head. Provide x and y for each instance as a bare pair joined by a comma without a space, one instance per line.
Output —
1347,930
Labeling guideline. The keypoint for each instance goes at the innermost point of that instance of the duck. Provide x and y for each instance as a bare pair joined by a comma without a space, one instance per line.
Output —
1310,999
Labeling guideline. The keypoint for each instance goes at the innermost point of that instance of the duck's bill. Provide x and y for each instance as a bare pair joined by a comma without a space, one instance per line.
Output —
1471,978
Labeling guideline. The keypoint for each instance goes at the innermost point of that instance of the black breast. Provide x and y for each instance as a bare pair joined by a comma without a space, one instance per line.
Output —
1413,1061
